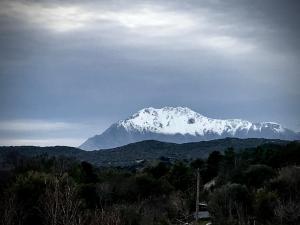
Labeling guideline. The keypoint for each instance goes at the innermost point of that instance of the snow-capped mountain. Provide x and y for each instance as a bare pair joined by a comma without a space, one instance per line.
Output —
180,125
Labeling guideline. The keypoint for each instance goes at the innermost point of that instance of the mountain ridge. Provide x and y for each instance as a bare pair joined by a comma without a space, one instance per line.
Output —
181,125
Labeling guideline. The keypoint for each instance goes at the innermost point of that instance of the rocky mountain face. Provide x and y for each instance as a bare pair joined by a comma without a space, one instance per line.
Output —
182,125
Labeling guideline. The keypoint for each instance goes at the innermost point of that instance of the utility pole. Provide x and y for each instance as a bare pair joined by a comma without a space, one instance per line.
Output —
197,194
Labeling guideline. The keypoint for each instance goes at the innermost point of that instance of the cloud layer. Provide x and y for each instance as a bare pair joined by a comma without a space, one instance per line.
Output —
95,62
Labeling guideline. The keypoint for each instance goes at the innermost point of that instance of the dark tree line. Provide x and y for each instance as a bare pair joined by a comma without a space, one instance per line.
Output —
260,184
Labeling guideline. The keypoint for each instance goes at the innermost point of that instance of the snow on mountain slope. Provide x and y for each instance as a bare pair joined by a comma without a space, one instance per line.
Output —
179,125
179,120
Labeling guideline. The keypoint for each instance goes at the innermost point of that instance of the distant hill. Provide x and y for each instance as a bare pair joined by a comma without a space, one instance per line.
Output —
182,125
145,150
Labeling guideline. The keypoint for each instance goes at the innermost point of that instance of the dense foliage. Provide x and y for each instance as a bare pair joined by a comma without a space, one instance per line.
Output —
259,184
131,154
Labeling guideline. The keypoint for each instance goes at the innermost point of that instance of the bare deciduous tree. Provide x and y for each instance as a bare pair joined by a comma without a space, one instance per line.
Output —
288,213
11,213
106,217
61,205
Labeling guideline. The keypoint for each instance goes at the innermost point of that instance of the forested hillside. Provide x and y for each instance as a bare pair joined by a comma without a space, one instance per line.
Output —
258,185
133,154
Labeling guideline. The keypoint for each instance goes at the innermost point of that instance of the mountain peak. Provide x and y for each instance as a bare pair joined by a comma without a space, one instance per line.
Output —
178,109
180,125
167,120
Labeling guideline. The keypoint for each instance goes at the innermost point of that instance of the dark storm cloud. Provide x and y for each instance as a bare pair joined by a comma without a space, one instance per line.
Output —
88,64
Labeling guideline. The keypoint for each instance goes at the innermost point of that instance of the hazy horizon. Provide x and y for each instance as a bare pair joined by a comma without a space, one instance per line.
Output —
68,70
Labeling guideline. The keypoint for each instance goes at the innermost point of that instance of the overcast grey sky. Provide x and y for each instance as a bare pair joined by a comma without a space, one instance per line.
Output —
68,69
